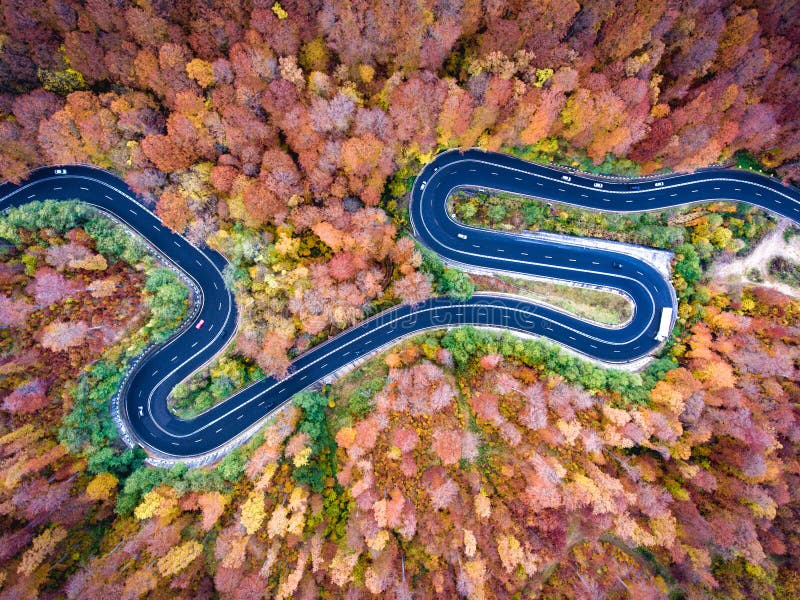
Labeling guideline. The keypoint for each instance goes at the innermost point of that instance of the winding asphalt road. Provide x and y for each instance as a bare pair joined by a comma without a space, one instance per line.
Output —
143,408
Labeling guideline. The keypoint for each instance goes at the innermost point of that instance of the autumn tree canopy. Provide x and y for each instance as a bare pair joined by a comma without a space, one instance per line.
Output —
286,135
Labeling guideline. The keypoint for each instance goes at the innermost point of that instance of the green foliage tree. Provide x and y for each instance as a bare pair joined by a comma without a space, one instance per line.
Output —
456,284
88,426
446,280
60,216
688,263
496,213
467,210
168,299
232,466
137,484
110,460
468,343
314,423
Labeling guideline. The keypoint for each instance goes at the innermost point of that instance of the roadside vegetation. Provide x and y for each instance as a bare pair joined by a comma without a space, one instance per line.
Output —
463,464
213,384
447,281
595,305
785,271
557,150
339,295
696,234
424,452
712,228
78,290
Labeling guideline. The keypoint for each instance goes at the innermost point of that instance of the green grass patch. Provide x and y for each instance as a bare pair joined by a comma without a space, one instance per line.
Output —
603,307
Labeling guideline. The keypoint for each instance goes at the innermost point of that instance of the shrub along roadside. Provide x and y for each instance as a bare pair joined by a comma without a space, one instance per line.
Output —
468,343
88,428
696,234
446,280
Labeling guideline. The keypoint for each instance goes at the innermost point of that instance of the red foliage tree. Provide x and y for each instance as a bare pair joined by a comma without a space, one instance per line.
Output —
60,335
413,288
14,313
173,210
27,398
447,445
49,287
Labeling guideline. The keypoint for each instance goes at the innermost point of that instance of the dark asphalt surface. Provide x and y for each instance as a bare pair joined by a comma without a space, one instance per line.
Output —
145,396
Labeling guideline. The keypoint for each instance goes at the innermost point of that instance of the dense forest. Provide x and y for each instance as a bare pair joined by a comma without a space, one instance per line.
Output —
457,464
270,130
286,135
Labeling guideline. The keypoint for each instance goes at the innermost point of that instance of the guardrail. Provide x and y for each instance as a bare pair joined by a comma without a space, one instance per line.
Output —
132,367
119,410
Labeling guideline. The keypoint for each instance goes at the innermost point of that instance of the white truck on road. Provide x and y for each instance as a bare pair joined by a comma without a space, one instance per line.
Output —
665,326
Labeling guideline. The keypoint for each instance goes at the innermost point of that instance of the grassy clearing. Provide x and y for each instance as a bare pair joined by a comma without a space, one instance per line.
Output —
607,308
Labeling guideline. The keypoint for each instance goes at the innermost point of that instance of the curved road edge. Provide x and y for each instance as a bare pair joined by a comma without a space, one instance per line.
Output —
206,438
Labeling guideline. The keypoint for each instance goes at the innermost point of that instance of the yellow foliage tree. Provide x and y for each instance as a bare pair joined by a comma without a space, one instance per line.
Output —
665,394
542,75
298,499
475,571
41,547
62,82
286,245
366,73
279,11
150,505
278,522
102,288
393,361
266,477
341,568
201,71
510,552
95,262
100,487
721,237
180,557
345,437
253,512
315,55
301,458
470,543
297,523
378,541
289,585
483,506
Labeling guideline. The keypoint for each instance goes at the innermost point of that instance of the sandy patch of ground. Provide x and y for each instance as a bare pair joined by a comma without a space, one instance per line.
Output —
773,244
